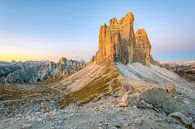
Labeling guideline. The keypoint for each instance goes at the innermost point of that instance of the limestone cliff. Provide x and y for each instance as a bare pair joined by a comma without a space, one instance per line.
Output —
118,42
142,48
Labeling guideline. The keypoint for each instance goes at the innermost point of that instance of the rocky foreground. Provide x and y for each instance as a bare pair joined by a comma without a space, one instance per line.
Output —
140,111
132,96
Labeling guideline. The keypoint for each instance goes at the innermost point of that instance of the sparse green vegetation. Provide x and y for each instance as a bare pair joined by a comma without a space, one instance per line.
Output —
12,93
96,87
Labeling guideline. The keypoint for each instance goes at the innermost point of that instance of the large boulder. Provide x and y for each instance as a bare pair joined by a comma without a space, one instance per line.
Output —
162,100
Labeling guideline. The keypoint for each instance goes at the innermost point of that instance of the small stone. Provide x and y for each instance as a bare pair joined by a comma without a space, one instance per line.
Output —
39,119
45,109
193,125
170,89
139,120
50,117
123,101
27,126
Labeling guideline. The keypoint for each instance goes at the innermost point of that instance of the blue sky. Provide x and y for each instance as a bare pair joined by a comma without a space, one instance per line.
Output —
48,29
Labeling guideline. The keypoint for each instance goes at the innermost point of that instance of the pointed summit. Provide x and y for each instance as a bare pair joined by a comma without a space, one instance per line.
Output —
62,60
129,17
113,21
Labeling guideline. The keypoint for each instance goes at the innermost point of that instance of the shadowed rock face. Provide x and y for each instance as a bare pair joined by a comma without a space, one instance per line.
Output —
118,43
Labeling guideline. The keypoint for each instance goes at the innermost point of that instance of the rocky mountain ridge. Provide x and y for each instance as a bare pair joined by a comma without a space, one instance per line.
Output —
34,71
178,63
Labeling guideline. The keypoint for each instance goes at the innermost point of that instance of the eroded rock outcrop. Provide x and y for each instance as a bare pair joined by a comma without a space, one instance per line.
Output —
142,48
119,43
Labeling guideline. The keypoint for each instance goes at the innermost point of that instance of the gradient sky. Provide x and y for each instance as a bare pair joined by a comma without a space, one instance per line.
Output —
50,29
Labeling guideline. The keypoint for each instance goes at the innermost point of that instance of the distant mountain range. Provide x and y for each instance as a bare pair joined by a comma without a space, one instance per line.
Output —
34,71
179,64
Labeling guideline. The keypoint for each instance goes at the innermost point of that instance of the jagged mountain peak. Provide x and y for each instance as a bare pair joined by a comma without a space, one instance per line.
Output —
119,43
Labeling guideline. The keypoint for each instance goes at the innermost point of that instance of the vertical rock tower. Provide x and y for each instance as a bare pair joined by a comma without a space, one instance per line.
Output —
142,48
118,42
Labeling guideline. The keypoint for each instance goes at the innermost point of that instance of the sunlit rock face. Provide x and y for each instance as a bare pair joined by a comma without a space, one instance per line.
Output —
62,60
142,48
118,42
